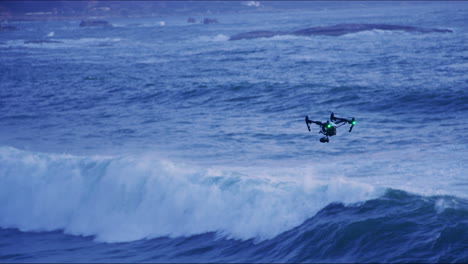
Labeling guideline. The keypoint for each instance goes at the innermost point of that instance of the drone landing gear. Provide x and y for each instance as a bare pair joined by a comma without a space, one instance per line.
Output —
324,139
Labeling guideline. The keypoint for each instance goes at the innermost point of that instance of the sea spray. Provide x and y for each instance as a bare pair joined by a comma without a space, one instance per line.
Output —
130,198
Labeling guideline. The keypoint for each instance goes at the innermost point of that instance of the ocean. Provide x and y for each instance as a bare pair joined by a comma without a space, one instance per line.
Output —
159,140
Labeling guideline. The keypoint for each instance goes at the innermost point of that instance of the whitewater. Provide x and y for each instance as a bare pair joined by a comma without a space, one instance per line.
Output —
156,140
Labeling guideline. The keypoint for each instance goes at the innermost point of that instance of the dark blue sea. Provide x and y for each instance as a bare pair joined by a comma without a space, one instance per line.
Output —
158,140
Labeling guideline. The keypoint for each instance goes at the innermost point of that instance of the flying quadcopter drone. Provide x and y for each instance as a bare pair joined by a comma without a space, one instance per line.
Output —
328,128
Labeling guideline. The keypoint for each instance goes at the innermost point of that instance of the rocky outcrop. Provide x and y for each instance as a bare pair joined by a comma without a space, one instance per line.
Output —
343,29
95,23
7,28
336,30
191,20
210,21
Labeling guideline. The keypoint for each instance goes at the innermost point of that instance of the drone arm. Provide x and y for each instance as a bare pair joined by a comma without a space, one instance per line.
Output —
352,122
316,122
308,121
341,120
338,120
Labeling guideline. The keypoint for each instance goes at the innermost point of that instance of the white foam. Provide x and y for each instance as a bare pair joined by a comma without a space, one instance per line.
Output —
443,203
287,37
373,32
220,37
65,43
130,198
92,40
217,38
458,66
252,3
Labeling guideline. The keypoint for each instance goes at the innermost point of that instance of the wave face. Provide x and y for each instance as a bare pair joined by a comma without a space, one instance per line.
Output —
157,140
126,199
397,227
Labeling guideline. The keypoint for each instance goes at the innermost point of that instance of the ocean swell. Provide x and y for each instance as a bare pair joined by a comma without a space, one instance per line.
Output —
119,199
396,227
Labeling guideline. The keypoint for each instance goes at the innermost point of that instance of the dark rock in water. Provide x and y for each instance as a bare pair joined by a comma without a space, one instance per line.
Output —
257,34
343,29
95,23
40,41
104,45
336,30
191,20
7,28
210,21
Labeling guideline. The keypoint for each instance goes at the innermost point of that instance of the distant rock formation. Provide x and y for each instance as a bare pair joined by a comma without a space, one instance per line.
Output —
257,34
343,29
7,28
191,20
336,30
95,23
210,21
40,41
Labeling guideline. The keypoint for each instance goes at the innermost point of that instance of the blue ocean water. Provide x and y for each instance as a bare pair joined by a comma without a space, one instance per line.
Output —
156,140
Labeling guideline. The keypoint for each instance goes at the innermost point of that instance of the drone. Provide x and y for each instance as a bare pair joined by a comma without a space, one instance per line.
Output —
328,128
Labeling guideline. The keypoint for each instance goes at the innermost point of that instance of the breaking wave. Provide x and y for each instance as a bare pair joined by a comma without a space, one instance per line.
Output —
131,198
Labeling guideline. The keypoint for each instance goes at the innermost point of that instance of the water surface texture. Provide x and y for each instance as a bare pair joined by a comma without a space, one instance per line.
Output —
156,140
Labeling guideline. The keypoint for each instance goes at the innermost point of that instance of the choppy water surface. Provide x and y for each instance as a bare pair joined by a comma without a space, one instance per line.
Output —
151,141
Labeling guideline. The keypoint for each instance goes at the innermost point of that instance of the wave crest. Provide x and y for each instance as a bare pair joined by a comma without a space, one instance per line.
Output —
129,198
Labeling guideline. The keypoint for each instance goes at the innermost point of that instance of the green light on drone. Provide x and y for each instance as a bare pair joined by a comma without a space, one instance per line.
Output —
353,123
328,125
